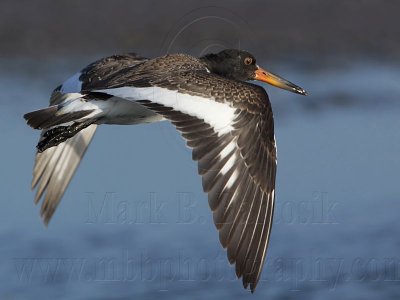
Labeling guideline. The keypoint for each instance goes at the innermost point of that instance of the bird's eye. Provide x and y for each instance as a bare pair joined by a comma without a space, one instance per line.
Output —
248,61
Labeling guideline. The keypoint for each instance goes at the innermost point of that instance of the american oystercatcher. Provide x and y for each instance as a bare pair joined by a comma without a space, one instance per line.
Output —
226,121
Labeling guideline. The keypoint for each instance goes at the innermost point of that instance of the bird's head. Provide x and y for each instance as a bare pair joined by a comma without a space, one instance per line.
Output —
241,65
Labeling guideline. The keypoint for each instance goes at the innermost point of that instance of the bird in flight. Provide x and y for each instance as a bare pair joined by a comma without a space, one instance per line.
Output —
225,120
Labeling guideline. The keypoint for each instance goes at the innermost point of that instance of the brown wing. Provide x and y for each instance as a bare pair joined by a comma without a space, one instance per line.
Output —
55,167
238,173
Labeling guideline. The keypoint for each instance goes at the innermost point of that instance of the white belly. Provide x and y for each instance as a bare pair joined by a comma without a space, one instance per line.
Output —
125,112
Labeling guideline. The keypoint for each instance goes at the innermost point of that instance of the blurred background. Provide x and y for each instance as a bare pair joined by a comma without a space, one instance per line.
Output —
135,222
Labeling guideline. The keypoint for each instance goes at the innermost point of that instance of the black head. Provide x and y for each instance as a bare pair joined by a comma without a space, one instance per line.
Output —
232,63
241,65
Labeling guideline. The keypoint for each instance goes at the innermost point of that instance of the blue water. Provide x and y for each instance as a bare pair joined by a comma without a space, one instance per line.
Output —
134,222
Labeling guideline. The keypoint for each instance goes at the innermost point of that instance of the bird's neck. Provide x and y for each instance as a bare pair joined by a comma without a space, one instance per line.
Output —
214,64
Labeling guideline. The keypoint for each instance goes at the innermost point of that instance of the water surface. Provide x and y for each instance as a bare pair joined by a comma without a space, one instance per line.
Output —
135,223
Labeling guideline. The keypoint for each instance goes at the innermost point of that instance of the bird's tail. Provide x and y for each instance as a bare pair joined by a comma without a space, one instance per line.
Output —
61,122
52,116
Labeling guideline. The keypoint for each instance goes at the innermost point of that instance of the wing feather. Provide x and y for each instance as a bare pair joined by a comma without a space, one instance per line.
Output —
229,127
55,168
238,173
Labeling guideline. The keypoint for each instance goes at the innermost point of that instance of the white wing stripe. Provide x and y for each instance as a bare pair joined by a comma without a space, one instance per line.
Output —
232,180
228,149
229,164
219,115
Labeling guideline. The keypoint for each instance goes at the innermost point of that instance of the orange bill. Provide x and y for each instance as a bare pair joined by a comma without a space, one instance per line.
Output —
275,80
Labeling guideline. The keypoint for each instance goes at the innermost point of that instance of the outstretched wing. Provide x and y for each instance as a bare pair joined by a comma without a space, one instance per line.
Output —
229,126
55,167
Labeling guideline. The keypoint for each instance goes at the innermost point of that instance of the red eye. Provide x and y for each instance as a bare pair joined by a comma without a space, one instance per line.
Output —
248,61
